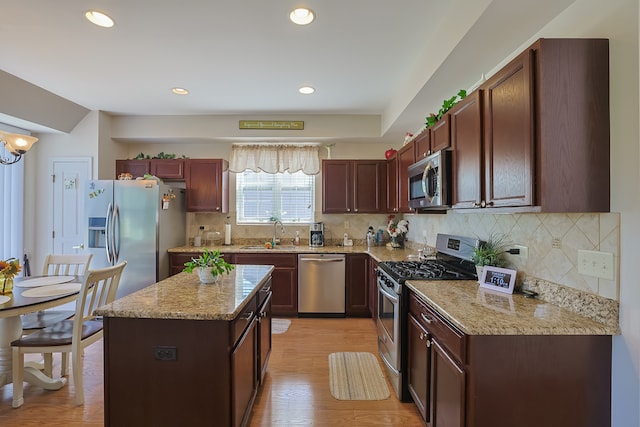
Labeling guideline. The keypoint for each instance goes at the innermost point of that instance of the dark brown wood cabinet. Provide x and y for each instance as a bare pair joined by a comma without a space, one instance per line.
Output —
373,287
508,135
354,186
392,184
284,279
440,135
422,144
137,168
466,156
177,260
406,157
207,182
167,169
357,285
186,372
543,133
419,363
496,380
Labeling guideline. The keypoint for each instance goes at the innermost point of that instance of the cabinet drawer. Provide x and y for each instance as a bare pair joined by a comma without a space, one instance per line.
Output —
240,323
447,335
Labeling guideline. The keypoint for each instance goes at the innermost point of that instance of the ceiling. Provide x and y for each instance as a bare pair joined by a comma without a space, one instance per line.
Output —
396,60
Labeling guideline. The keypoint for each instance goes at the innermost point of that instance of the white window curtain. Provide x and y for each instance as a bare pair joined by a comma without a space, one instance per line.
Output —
274,158
11,209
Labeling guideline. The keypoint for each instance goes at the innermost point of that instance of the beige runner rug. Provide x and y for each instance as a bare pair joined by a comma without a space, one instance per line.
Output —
356,376
280,326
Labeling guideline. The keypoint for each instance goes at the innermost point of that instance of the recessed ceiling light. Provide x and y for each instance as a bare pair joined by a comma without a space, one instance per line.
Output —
302,16
99,18
306,90
179,91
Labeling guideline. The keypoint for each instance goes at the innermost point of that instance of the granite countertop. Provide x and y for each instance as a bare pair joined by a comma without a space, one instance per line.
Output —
478,311
379,253
182,296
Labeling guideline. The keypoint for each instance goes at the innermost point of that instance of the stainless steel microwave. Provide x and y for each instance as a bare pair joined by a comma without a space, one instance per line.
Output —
430,182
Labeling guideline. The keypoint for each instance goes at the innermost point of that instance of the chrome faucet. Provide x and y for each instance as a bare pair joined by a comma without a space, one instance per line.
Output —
275,224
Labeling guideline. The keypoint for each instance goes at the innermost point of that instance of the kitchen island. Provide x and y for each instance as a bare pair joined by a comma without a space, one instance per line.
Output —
182,353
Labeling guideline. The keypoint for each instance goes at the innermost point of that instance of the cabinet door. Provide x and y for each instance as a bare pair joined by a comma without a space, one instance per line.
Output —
137,168
207,185
423,144
243,373
419,357
368,186
373,288
466,156
447,390
177,260
392,184
167,168
264,338
508,134
284,279
440,134
357,298
406,157
336,186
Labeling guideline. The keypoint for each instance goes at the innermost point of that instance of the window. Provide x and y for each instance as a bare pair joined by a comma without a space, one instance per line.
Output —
264,197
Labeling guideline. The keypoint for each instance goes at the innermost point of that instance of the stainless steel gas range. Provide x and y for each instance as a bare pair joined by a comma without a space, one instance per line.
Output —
451,262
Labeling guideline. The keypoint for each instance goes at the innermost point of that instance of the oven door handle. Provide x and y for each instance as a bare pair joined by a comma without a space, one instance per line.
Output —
386,362
393,298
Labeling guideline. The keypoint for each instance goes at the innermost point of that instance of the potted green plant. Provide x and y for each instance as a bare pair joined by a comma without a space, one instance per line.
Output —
489,252
210,266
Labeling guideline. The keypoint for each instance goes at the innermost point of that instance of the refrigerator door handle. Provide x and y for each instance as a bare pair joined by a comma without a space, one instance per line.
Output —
116,234
109,234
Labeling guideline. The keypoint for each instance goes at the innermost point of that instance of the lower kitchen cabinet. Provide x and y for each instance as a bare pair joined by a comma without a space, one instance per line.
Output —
357,285
244,379
177,260
459,380
284,279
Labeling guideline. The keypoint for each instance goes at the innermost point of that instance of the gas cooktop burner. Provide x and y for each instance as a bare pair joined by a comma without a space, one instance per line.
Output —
430,269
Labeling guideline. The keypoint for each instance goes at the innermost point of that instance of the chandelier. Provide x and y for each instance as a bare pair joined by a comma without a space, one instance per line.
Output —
16,144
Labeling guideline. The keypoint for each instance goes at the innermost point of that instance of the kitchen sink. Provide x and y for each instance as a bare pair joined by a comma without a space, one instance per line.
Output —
262,247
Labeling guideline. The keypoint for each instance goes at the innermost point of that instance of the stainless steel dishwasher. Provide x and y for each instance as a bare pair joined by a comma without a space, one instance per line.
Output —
321,285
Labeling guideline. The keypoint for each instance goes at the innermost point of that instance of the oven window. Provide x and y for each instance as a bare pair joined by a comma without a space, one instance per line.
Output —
386,315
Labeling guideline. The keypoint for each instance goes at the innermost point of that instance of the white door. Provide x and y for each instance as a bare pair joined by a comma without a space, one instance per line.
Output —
69,177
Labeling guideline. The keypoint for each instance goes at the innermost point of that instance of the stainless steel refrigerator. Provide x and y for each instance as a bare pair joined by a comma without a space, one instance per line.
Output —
136,221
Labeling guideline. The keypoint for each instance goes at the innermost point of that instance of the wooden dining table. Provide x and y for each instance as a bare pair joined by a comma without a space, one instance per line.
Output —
11,326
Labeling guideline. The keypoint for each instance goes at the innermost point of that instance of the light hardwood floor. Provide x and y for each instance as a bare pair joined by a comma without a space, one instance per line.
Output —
296,391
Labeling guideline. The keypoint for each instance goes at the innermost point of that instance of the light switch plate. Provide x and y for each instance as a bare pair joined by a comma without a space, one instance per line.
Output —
596,264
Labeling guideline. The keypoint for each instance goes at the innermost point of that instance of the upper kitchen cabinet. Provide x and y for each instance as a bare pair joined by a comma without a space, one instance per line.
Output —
542,125
422,144
440,138
137,168
167,169
392,184
466,156
406,157
207,182
354,186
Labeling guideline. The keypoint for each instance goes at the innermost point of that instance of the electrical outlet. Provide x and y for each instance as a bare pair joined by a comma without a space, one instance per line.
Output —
165,353
556,244
596,264
524,252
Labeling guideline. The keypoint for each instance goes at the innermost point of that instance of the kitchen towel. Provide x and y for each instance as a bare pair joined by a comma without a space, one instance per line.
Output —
356,376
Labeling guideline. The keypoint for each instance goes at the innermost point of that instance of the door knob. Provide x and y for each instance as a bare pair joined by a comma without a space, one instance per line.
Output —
80,246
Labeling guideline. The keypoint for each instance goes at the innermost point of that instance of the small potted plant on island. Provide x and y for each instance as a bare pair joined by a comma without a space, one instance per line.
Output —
210,266
489,252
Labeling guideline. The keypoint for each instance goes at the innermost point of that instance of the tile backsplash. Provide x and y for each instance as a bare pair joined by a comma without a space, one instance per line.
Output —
553,240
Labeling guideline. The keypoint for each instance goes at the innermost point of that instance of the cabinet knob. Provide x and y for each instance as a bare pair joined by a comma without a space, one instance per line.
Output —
425,318
477,205
421,336
355,210
428,343
348,210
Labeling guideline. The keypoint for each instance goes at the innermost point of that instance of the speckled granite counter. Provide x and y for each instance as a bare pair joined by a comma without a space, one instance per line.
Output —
477,311
183,296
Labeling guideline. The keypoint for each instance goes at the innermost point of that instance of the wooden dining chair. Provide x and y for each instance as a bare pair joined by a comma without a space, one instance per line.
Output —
56,265
99,287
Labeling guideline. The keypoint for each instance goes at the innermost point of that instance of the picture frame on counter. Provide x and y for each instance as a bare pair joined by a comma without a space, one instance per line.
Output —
498,279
